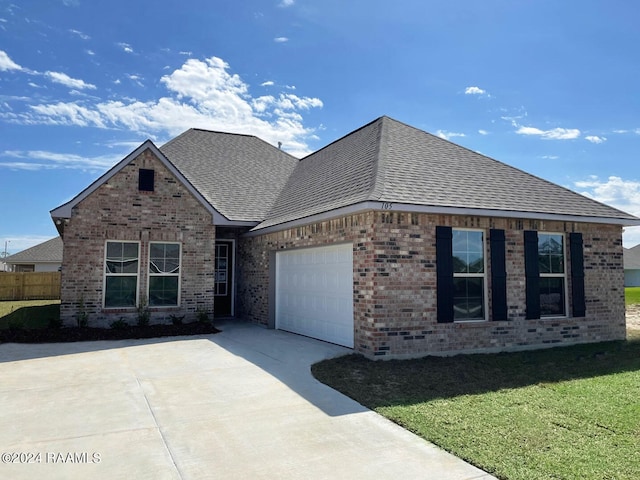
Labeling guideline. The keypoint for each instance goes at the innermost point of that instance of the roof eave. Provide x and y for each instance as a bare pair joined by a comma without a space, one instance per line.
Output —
440,210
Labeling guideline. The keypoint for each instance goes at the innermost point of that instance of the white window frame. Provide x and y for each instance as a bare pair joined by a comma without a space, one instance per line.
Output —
105,275
558,275
151,275
483,275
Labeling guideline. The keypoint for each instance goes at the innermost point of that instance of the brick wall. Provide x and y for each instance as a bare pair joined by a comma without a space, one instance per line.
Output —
394,278
118,211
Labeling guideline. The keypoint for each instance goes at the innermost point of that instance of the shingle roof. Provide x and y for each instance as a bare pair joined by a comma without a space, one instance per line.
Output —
46,252
389,161
239,175
631,258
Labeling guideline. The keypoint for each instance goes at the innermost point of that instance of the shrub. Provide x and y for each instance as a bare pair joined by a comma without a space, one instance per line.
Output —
82,317
119,324
176,320
203,316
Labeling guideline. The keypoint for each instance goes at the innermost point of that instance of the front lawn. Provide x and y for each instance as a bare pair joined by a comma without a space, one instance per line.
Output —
29,313
562,413
631,295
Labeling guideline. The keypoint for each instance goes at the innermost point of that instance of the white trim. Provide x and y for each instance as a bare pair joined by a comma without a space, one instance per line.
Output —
437,210
104,275
64,211
150,275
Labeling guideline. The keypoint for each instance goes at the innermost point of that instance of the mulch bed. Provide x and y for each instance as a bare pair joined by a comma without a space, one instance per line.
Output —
83,334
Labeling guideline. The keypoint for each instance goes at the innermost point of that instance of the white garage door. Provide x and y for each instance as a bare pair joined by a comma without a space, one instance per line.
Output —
314,293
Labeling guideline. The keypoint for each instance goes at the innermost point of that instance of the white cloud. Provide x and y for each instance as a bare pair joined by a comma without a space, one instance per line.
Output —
126,47
553,134
137,79
39,159
186,54
6,63
483,132
286,3
67,81
620,193
448,135
621,131
550,157
474,91
200,94
82,35
595,139
281,39
64,114
268,83
71,3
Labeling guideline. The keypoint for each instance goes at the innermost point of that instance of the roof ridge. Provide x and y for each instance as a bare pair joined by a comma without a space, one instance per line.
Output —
220,132
343,137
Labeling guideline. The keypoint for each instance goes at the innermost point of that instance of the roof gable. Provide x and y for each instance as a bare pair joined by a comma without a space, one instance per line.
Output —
64,211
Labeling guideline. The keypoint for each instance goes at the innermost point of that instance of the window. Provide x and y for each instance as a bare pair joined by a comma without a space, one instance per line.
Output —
552,274
146,180
164,274
468,275
121,274
222,270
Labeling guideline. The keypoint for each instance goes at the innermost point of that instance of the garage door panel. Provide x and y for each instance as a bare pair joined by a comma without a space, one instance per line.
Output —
314,292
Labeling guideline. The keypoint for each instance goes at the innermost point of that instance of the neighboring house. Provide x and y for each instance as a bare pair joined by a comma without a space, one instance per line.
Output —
44,257
390,240
632,266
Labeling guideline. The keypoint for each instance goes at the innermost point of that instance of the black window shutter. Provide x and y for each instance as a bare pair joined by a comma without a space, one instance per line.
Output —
532,274
444,268
577,274
498,275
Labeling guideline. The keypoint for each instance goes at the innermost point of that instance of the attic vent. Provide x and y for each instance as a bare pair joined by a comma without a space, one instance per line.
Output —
146,180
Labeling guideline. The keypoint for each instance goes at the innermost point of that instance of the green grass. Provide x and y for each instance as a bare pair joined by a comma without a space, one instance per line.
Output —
29,313
563,413
631,295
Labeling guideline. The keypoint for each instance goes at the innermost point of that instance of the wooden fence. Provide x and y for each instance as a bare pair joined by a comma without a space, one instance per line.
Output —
29,286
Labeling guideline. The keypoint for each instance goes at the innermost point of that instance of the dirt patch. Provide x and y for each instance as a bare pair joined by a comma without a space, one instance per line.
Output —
633,317
77,334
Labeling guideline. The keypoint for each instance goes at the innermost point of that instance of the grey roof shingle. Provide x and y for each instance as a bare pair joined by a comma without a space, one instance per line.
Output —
46,252
631,258
239,175
389,161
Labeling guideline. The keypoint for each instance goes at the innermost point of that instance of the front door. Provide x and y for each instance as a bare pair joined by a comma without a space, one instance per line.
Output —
223,279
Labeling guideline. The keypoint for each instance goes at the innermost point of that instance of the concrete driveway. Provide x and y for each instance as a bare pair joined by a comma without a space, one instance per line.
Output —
239,404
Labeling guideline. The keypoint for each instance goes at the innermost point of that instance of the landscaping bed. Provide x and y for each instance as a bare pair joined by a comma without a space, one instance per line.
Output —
81,334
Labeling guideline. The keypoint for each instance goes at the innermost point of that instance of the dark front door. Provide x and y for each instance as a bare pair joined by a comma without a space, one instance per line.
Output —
223,286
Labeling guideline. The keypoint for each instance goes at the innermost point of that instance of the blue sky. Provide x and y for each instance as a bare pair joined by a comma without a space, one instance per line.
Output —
547,86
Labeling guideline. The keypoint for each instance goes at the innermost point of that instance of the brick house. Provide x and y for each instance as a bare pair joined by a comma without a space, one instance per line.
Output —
390,240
